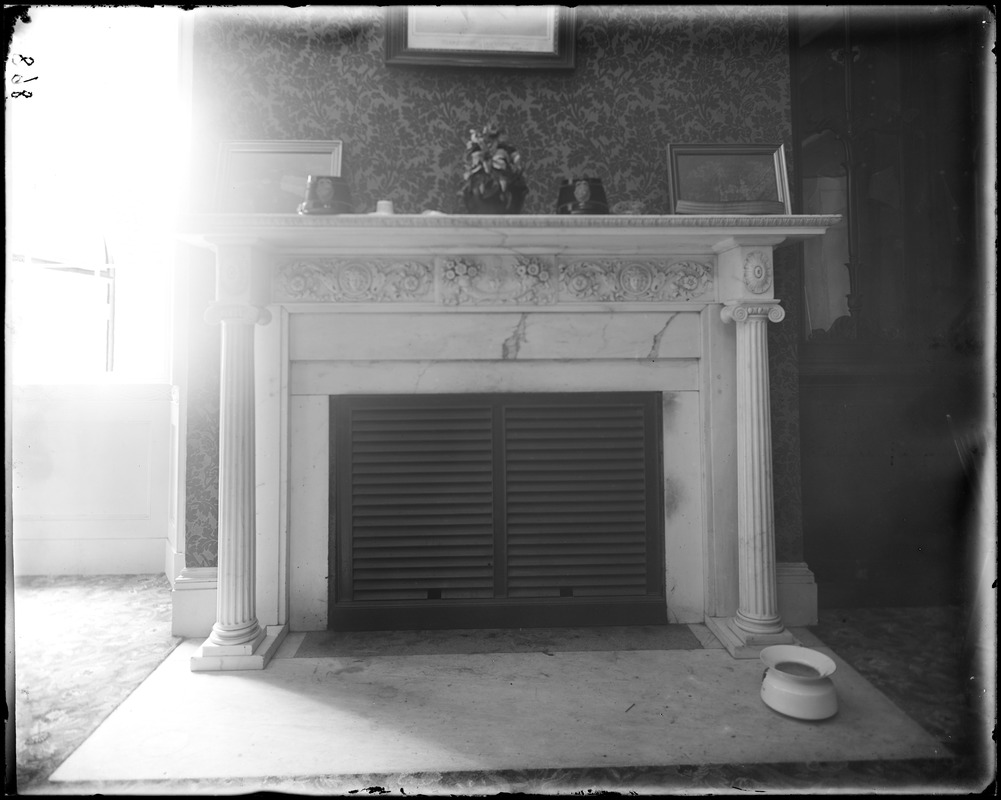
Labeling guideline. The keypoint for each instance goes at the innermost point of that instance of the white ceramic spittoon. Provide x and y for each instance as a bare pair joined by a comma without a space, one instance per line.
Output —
797,682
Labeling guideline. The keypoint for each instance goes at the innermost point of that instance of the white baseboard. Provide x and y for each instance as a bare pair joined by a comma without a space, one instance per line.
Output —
797,594
173,563
88,556
193,601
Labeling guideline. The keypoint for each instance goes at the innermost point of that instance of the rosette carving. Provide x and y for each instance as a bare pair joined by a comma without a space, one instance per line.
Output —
355,281
634,281
757,272
522,280
234,272
690,279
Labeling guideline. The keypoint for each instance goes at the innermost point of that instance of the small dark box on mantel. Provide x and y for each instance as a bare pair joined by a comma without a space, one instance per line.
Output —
582,196
326,194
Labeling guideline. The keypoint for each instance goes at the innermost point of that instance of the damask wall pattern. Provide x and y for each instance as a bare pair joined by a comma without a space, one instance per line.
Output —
201,512
645,76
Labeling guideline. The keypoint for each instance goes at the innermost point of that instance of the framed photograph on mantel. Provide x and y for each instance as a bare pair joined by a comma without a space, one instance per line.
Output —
728,179
481,36
269,177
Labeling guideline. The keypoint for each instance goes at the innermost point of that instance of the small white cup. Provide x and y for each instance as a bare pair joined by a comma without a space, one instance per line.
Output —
384,207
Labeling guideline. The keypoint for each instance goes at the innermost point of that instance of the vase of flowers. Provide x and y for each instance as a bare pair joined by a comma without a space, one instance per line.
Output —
493,180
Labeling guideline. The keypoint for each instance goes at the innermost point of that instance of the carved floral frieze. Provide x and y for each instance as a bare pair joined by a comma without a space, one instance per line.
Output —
492,280
618,280
355,281
478,281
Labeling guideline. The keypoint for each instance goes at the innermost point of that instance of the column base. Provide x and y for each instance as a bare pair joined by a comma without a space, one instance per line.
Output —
211,648
741,644
256,655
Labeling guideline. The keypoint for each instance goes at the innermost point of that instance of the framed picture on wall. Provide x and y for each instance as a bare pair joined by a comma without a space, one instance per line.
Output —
728,179
269,177
481,36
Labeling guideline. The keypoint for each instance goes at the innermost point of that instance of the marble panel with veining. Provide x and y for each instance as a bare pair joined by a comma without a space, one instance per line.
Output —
494,337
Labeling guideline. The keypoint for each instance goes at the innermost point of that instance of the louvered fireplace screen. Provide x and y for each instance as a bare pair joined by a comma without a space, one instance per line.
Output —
509,510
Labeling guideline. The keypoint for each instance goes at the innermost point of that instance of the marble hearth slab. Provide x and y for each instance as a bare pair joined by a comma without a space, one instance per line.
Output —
445,713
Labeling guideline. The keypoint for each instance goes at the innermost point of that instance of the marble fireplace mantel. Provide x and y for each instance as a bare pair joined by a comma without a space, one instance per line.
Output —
623,234
316,306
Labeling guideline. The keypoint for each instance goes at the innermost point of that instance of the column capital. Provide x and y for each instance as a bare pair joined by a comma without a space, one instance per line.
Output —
742,311
237,312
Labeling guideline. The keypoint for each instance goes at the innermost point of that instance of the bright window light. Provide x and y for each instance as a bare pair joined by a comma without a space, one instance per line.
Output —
95,150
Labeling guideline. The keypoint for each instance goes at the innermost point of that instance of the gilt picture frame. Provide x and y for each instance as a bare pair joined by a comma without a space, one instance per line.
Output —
520,37
269,177
728,179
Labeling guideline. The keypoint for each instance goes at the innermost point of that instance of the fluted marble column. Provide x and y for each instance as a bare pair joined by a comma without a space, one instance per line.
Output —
756,623
237,640
236,617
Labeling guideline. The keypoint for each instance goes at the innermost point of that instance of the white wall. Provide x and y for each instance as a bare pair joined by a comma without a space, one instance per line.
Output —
91,481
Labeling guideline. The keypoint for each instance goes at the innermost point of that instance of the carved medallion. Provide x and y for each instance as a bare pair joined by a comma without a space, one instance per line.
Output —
636,280
355,281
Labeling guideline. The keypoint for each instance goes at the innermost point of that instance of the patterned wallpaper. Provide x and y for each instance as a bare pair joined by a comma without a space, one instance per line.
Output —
645,76
201,524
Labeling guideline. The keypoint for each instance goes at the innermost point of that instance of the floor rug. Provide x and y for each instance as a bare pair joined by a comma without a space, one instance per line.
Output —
934,688
82,645
358,644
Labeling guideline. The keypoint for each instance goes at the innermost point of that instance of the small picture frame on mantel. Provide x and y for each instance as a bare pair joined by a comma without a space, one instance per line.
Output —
728,179
269,177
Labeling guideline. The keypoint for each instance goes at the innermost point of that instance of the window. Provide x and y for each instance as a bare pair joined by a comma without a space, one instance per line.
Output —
93,155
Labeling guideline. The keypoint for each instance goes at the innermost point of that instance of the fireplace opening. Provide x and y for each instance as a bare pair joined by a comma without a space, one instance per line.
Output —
508,510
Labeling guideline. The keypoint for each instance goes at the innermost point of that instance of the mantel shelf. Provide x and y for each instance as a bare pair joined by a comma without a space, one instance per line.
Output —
442,233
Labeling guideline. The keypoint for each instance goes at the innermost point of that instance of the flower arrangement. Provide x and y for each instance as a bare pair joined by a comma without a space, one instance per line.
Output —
493,179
